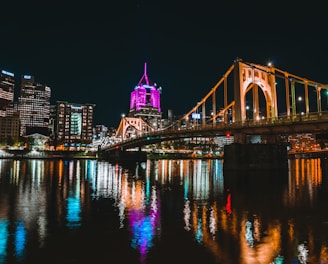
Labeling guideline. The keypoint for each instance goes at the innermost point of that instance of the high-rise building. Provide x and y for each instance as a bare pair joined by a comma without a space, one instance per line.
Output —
145,101
74,124
7,89
9,128
33,106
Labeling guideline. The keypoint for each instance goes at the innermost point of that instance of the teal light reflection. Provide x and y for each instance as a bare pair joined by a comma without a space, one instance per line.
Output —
73,212
3,238
20,240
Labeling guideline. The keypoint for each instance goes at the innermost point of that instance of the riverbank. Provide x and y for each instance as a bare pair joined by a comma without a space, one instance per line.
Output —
47,154
154,156
322,153
69,154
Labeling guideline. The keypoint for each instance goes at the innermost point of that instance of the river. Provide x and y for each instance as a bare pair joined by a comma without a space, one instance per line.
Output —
162,211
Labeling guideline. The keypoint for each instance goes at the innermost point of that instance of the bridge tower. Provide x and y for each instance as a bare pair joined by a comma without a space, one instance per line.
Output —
131,127
250,77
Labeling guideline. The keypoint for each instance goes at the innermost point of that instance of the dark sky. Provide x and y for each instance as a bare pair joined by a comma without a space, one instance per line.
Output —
94,51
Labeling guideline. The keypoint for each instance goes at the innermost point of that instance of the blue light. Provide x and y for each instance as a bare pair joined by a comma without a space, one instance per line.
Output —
186,184
195,116
20,239
8,73
73,212
76,107
199,232
3,237
143,233
278,260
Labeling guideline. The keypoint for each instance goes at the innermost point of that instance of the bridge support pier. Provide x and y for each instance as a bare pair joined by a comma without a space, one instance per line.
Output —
255,156
270,139
123,156
239,138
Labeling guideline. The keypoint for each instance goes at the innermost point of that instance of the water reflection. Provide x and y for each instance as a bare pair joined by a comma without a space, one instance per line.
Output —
239,217
137,200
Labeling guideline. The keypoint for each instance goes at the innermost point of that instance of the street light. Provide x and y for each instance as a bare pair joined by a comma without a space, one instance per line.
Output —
247,112
300,99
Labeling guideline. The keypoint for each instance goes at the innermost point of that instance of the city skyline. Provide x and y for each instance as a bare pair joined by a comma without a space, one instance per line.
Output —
95,53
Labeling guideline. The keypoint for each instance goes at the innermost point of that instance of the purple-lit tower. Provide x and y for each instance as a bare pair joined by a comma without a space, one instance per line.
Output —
145,101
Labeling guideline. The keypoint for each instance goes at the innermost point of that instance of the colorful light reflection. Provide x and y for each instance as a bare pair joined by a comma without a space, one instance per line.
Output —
3,238
143,224
20,240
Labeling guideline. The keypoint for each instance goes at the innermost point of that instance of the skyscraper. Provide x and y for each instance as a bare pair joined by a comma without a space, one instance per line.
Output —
145,101
74,124
7,89
33,106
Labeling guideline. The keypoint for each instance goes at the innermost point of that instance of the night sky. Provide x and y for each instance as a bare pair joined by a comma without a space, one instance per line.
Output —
94,51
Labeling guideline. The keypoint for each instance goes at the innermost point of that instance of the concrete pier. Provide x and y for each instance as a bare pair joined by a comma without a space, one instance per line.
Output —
255,156
122,156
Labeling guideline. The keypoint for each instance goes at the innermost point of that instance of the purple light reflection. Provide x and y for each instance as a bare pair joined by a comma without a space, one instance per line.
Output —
143,226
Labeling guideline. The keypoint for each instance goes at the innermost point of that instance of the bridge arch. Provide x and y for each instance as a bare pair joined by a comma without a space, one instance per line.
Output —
251,77
130,127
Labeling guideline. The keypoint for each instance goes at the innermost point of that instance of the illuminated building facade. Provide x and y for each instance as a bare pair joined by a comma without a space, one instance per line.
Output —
33,106
74,124
145,101
7,88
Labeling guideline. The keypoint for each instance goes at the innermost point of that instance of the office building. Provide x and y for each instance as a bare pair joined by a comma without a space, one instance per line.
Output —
145,101
9,129
7,89
34,107
74,125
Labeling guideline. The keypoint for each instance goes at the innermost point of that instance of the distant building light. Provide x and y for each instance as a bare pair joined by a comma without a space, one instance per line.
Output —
76,107
195,116
27,77
8,73
148,86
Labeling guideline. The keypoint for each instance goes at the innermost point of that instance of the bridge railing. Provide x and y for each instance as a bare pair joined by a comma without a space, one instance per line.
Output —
266,122
283,119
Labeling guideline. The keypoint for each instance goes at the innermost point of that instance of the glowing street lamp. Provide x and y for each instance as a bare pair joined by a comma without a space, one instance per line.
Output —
300,99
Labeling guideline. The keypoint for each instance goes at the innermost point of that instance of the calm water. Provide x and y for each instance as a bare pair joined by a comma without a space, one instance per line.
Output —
166,211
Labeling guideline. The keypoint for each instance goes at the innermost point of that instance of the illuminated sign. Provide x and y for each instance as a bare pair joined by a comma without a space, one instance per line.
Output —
8,73
195,116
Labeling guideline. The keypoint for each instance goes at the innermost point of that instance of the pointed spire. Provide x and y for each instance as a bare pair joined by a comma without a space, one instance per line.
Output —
144,76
